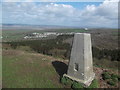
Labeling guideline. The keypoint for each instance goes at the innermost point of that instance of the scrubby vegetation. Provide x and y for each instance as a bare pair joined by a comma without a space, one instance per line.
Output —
113,55
58,48
52,47
110,78
106,76
111,82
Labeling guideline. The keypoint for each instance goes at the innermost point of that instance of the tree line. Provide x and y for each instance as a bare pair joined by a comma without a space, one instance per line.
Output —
56,47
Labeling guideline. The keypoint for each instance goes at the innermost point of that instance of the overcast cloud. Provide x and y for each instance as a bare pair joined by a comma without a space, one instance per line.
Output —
102,15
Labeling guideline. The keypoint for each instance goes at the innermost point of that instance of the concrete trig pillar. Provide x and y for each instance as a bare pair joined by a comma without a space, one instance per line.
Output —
80,66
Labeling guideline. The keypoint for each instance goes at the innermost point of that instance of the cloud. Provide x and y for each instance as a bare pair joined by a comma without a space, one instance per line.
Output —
104,15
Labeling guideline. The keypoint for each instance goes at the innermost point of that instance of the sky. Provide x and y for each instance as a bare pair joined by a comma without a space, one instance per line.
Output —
76,14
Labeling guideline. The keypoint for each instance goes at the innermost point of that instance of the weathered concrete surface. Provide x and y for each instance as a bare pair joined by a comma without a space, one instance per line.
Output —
81,55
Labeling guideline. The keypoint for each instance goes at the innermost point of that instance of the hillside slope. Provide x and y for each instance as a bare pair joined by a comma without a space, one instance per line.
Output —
28,70
22,69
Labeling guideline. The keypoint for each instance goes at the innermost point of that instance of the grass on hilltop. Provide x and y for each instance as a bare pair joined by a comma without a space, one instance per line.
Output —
25,70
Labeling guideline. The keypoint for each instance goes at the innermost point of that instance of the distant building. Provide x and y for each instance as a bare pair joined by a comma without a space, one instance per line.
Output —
46,34
86,28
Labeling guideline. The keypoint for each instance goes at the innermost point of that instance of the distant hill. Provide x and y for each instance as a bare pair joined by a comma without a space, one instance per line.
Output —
34,27
27,26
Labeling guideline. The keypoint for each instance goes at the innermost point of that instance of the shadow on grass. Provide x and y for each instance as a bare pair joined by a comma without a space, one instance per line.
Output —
60,67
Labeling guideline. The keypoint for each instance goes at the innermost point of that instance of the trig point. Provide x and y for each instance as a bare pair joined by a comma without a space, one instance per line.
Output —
81,64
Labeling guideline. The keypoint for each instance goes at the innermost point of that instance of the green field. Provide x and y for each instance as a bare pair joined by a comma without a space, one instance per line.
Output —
11,35
28,70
